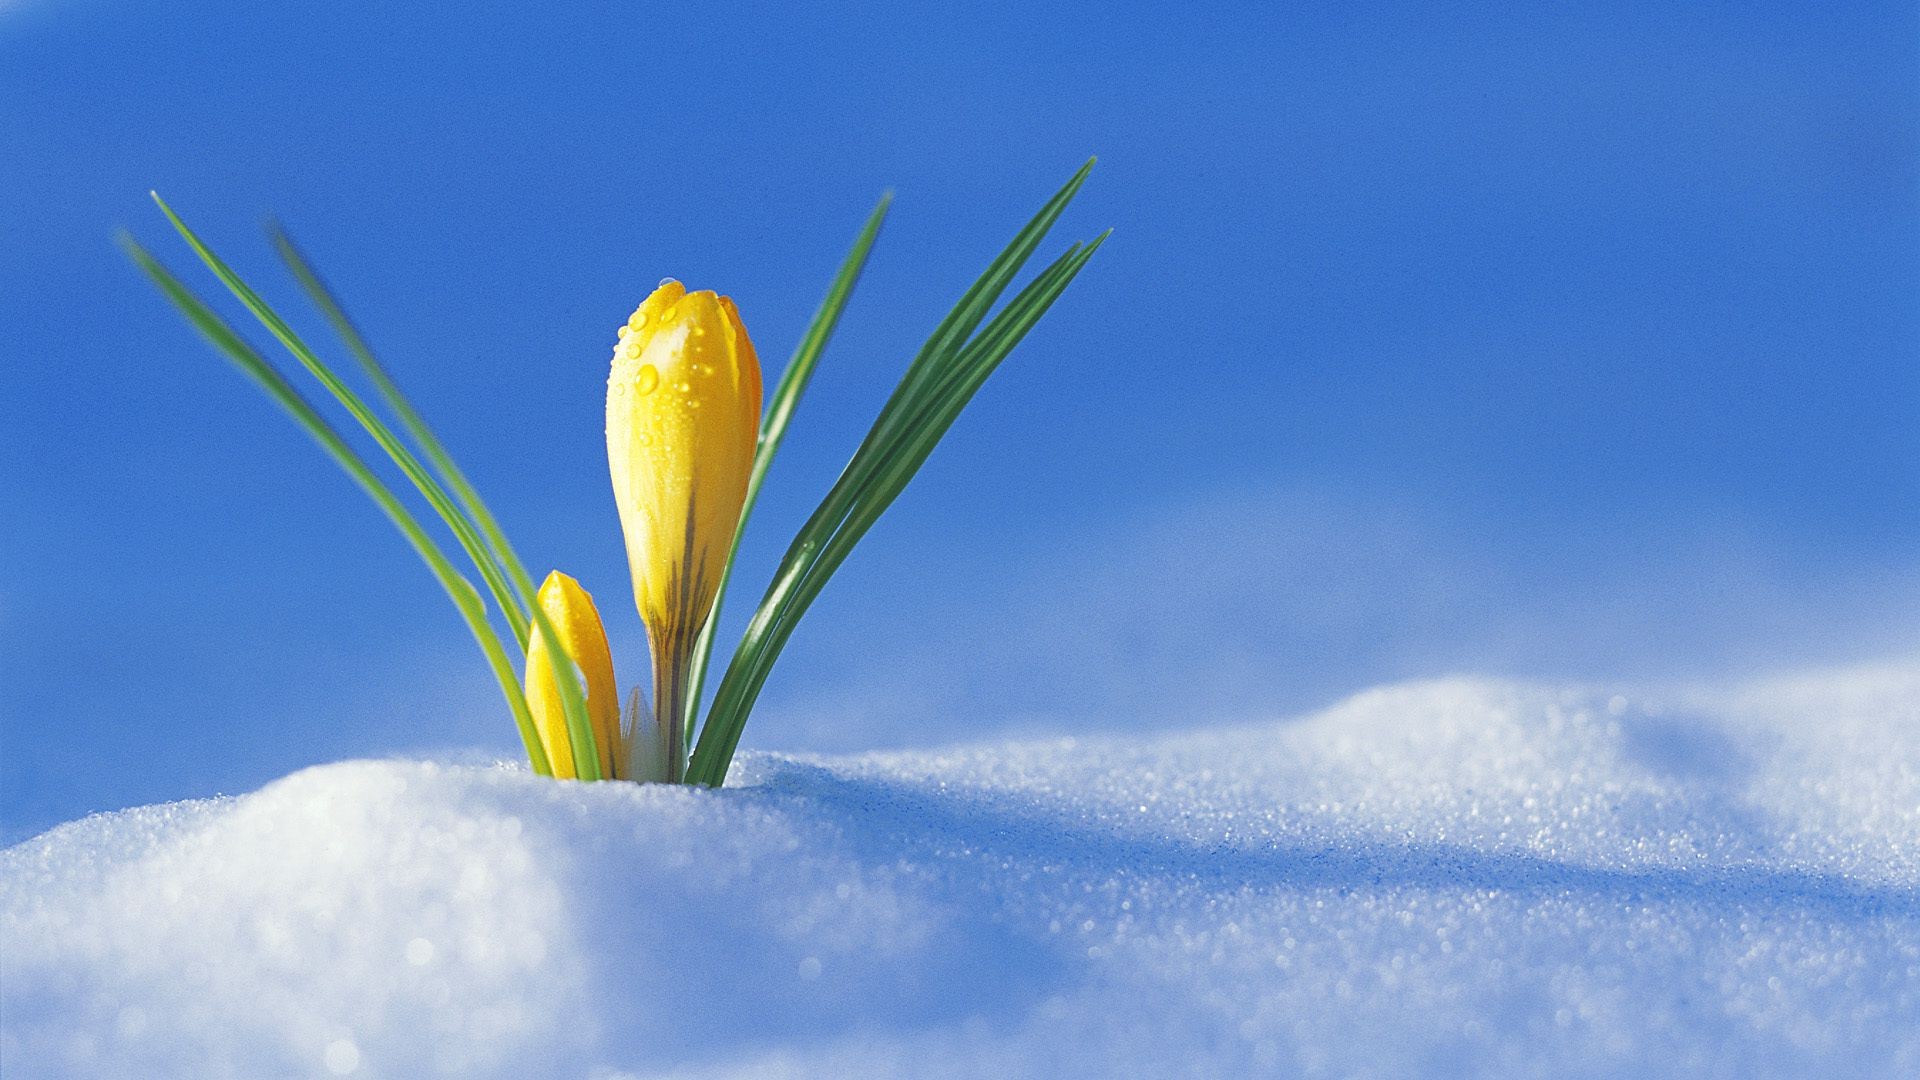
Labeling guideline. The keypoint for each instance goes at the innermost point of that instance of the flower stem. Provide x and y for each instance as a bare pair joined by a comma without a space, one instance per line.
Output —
672,659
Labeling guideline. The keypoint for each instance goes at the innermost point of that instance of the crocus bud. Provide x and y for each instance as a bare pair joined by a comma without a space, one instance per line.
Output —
683,418
584,641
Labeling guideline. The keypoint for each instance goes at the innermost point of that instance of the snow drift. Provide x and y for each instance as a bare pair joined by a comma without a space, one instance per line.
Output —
1450,878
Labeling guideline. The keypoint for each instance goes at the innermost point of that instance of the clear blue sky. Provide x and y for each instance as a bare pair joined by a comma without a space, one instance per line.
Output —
1431,338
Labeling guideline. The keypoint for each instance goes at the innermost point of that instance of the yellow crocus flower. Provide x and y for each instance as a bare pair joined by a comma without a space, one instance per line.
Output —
584,640
683,417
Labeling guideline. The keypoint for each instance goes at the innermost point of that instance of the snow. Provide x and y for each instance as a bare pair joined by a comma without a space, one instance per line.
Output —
1462,877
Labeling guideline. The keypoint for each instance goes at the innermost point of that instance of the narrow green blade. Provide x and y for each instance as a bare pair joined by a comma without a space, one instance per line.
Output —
883,466
773,428
979,298
586,756
928,364
463,529
467,601
436,453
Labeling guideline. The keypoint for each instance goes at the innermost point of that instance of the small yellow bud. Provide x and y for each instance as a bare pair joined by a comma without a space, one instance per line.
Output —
584,641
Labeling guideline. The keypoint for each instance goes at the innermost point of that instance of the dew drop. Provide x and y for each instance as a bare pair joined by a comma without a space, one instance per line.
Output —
702,369
693,403
685,387
646,439
632,349
666,281
624,330
646,379
667,315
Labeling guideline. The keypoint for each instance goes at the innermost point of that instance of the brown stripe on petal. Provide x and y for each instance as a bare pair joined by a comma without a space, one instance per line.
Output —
688,587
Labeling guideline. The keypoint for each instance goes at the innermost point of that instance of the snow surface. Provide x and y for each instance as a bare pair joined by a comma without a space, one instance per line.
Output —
1452,878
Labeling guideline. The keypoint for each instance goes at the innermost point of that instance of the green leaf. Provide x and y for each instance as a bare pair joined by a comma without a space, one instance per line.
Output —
410,418
940,346
900,460
586,755
773,428
463,529
467,601
937,386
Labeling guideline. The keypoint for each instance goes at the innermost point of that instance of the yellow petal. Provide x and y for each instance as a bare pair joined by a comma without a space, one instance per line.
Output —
683,418
584,641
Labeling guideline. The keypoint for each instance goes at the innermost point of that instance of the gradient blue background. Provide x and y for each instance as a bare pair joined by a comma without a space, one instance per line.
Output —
1431,338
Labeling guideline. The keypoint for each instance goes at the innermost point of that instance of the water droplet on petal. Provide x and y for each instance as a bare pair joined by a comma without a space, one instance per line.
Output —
632,349
666,281
702,369
646,379
646,439
685,387
624,330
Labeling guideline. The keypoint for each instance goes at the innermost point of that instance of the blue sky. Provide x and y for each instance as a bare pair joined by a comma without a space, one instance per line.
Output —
1431,338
